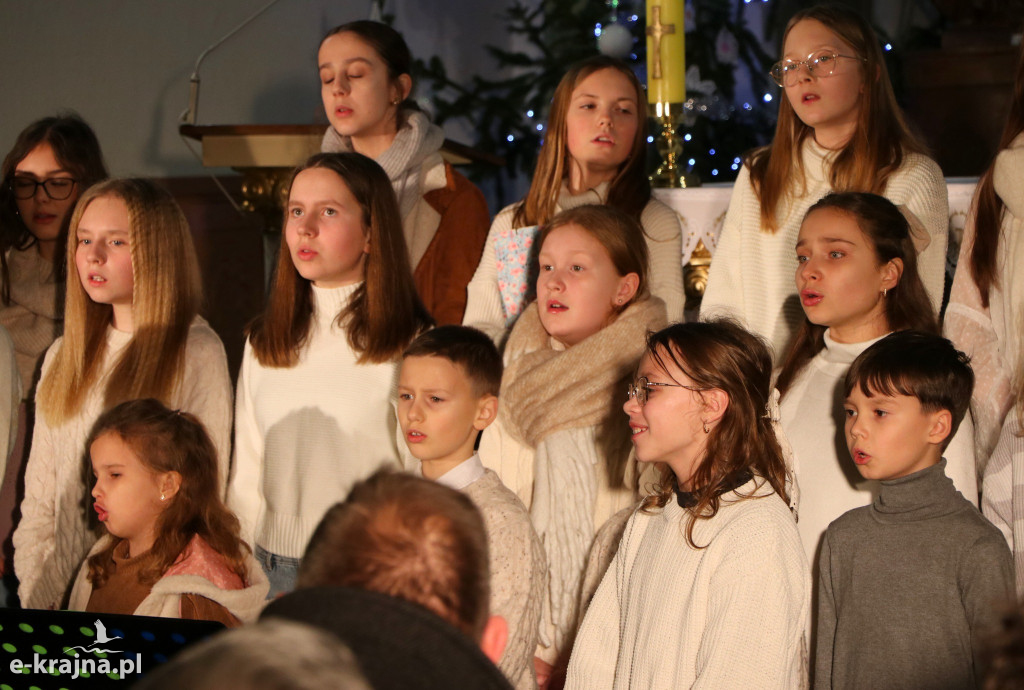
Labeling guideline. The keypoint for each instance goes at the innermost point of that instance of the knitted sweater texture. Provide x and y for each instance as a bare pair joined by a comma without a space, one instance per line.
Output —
55,531
305,434
751,275
34,316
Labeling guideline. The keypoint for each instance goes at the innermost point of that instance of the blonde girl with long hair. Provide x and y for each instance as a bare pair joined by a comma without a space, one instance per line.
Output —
593,153
985,319
839,129
314,407
132,330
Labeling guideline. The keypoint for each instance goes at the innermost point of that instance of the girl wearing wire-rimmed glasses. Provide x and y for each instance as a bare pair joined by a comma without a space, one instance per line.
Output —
839,129
51,163
709,586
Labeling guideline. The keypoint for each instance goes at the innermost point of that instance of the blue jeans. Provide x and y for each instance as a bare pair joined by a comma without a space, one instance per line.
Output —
280,570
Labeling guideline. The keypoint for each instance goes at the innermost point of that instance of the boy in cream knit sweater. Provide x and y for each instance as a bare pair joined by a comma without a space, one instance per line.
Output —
908,585
448,393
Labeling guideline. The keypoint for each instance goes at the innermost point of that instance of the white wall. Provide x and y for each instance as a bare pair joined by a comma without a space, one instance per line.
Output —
124,64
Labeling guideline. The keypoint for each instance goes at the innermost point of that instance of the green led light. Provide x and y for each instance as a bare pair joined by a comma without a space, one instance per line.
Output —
56,629
25,627
8,647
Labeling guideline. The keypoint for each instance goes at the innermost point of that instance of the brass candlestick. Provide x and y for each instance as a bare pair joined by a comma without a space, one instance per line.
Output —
670,173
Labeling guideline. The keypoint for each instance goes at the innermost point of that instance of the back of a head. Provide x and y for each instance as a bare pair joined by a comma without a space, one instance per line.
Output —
271,655
925,366
409,538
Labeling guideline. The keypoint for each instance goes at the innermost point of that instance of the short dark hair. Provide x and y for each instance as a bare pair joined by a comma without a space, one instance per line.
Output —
467,347
410,538
925,366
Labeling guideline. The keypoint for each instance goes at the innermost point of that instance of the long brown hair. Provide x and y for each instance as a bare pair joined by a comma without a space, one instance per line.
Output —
629,191
384,314
721,354
988,207
77,150
166,296
878,145
907,305
173,441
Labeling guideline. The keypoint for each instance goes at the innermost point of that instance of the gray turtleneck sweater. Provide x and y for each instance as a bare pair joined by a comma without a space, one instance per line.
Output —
907,587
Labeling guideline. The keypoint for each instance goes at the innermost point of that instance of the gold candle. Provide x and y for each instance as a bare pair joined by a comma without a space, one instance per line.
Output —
666,51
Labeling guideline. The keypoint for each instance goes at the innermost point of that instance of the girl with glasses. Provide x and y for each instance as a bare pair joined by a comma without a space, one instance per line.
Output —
556,441
51,163
839,129
709,587
132,330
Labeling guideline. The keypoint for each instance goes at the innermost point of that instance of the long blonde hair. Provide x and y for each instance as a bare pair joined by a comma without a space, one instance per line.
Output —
384,315
629,191
166,298
878,145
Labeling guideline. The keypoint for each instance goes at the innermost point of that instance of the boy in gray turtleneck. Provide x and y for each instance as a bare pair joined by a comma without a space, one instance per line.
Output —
909,584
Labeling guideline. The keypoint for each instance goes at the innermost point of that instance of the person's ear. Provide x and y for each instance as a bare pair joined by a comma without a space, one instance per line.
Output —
169,483
486,411
494,639
403,85
628,285
941,425
716,402
891,273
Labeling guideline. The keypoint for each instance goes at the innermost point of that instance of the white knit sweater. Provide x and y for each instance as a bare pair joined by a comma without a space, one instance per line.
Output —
751,275
662,230
813,418
731,615
517,565
34,318
54,533
10,398
305,434
991,336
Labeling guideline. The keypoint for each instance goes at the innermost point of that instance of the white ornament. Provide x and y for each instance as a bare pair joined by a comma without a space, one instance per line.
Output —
615,41
727,48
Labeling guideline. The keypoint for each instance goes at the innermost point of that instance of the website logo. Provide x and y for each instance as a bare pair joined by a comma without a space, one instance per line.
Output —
83,661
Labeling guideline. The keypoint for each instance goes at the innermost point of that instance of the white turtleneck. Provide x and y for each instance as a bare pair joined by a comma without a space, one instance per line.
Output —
751,275
813,418
305,434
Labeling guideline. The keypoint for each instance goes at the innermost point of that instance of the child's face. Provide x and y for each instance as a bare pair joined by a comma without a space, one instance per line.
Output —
839,277
578,288
103,255
324,229
438,410
669,428
44,217
354,85
830,105
127,492
601,122
890,436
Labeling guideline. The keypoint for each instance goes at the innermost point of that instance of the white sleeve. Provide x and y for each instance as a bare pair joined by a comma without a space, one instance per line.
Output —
10,399
664,236
245,492
723,295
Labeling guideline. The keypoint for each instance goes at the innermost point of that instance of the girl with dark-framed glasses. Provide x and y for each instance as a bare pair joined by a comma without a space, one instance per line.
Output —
839,129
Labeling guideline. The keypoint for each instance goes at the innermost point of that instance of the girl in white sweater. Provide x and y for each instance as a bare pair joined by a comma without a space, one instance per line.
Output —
593,153
131,331
709,587
839,129
314,411
555,442
985,319
172,547
858,281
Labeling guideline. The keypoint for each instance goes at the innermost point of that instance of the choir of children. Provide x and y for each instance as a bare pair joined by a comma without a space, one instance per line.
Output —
682,513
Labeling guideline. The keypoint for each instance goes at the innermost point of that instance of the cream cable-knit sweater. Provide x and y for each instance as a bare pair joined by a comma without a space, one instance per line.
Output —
305,434
10,398
991,336
662,230
731,615
33,318
813,418
54,534
751,275
518,573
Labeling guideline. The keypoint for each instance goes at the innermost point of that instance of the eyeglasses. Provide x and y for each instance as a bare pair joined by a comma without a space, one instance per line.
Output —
641,388
57,188
819,65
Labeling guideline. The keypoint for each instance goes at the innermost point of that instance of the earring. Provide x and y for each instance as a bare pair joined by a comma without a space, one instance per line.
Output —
885,291
162,497
397,101
704,425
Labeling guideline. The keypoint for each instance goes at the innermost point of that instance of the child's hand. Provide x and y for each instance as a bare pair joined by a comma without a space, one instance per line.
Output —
543,670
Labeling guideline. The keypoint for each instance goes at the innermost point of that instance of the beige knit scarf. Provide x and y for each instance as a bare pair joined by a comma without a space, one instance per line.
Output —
546,390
